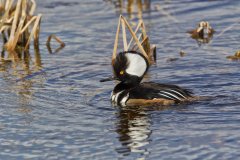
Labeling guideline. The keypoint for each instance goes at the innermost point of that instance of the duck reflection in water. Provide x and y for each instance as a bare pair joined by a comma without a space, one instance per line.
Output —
133,128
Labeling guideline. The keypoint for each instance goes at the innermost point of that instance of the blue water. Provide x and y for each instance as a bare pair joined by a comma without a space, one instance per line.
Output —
55,108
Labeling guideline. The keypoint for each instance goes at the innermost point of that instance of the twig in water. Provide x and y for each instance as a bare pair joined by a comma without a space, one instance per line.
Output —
62,44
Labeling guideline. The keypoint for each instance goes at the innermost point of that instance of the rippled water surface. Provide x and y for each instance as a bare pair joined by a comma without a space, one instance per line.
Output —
55,108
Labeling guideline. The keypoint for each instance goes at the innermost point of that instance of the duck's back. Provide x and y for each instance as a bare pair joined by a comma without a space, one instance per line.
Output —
149,93
151,90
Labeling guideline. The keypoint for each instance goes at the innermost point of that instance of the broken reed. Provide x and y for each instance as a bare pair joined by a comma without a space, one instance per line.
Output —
53,36
18,24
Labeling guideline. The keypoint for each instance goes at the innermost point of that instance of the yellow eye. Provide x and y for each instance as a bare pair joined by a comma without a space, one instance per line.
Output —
121,72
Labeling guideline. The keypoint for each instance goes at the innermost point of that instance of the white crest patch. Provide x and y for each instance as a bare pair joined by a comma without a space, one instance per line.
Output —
137,64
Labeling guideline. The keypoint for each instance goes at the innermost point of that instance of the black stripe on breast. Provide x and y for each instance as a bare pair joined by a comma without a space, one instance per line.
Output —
121,96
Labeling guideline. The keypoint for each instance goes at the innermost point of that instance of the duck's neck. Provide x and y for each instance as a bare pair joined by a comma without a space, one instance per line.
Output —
124,86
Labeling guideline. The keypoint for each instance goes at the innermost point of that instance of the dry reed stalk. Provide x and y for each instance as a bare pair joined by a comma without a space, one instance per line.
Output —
5,18
34,30
124,36
48,44
17,25
145,42
114,55
37,55
11,42
19,22
31,12
141,43
135,38
62,44
136,30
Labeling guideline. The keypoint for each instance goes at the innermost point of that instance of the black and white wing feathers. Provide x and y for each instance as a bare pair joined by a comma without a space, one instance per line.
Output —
151,90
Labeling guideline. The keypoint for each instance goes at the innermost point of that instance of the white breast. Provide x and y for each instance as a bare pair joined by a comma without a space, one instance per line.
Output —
115,98
124,100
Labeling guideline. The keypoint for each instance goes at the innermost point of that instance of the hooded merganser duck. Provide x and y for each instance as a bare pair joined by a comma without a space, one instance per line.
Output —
129,68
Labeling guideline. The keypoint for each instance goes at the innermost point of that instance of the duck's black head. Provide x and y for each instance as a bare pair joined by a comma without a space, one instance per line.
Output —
129,67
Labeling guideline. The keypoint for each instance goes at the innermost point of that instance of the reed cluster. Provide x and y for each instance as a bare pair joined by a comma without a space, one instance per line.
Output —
18,24
139,40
